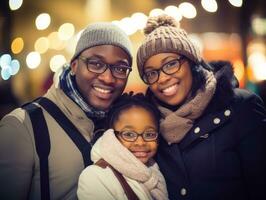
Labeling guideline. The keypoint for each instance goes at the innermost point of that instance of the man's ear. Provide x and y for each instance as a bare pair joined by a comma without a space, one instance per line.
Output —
74,66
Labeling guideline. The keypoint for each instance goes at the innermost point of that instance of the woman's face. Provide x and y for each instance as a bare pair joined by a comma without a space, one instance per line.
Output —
171,89
139,120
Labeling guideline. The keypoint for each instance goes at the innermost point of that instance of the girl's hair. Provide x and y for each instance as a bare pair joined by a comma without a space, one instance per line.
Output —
129,100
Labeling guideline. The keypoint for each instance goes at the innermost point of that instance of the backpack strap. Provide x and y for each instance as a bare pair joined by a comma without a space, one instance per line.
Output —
42,139
131,195
42,144
79,140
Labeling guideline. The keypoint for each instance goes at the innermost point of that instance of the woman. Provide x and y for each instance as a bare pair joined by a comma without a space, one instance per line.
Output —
127,150
213,134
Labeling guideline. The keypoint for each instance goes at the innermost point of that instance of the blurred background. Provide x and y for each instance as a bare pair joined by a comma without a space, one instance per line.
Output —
37,37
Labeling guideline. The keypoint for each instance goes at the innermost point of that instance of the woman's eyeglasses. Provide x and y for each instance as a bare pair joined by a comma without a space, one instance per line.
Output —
152,76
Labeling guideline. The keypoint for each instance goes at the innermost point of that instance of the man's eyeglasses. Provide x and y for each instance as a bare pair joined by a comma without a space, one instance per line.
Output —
97,66
132,136
152,76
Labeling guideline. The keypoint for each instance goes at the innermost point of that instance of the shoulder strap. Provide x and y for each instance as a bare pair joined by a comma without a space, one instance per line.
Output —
42,139
131,195
42,144
83,145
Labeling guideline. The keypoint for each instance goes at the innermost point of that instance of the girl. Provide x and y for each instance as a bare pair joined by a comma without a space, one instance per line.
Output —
127,149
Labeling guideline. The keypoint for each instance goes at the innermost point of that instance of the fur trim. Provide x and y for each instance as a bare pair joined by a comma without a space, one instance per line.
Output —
226,82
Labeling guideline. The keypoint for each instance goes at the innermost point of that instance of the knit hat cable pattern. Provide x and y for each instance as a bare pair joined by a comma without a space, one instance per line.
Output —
163,35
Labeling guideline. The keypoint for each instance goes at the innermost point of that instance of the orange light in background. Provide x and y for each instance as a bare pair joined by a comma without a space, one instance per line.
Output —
17,45
239,71
250,74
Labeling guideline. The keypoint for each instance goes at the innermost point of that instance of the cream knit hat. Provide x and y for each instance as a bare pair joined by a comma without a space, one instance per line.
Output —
163,35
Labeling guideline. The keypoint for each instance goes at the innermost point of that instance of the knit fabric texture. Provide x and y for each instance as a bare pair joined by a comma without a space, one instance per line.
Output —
111,150
103,33
163,35
176,124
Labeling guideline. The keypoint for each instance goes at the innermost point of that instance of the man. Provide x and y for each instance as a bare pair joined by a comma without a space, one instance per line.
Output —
97,75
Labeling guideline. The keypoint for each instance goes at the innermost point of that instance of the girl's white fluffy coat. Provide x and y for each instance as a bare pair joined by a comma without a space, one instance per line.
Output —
100,183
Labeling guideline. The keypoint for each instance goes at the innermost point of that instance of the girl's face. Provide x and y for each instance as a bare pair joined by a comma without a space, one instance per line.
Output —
138,120
171,89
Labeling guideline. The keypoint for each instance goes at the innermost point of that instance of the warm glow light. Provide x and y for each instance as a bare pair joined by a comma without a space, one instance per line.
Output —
127,25
155,12
71,44
174,12
55,42
209,5
66,31
257,62
236,3
15,4
57,62
213,41
33,60
239,69
139,20
188,10
259,25
41,45
17,45
196,40
43,21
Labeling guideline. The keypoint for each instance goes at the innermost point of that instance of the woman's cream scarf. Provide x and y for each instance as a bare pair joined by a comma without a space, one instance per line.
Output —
111,150
176,124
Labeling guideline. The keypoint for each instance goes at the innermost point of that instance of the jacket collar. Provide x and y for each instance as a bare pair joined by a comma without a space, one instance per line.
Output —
205,126
71,110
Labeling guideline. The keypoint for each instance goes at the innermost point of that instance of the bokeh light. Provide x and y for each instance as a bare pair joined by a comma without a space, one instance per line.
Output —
33,60
17,45
188,10
209,5
15,4
174,12
57,62
43,21
236,3
41,45
66,31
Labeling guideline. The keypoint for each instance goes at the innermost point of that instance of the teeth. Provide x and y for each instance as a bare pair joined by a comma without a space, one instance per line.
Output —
169,89
140,154
102,90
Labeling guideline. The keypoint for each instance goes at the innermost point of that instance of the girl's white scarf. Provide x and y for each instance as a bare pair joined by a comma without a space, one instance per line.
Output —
111,150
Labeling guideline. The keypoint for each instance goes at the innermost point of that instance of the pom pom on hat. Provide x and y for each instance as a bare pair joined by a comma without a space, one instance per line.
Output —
164,35
161,20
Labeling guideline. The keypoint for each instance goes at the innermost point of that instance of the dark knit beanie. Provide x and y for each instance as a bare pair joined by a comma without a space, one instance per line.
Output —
103,33
163,35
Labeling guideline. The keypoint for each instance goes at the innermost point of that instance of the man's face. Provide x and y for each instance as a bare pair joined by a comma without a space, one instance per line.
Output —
100,90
